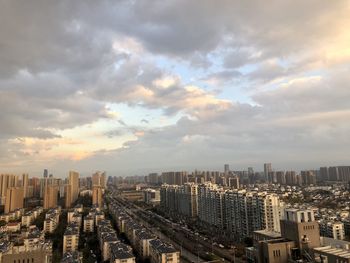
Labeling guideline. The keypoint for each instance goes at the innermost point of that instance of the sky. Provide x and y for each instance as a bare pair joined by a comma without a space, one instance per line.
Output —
131,87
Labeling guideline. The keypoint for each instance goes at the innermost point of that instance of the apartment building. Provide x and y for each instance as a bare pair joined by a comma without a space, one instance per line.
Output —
70,239
332,229
161,252
88,223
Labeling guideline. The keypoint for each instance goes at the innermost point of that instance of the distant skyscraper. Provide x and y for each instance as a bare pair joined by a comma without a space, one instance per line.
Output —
103,180
50,196
324,175
68,195
97,195
25,184
14,199
226,168
99,179
96,179
46,173
6,181
74,182
267,169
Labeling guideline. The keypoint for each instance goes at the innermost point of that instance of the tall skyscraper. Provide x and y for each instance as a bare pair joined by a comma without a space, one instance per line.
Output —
73,181
25,184
68,195
14,199
96,179
97,195
46,173
103,180
267,169
50,196
6,181
226,168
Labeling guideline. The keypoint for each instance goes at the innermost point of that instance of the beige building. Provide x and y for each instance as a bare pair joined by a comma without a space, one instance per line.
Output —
25,185
73,181
142,239
68,195
301,227
39,252
6,181
120,254
161,252
299,235
89,223
14,199
99,179
50,225
50,196
97,196
70,240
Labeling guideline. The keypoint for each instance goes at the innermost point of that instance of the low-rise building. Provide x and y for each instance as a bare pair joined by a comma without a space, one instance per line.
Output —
142,239
72,257
27,219
161,252
89,223
119,254
37,252
14,226
70,239
332,229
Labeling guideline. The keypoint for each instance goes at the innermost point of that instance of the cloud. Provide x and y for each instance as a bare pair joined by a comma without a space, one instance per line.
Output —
62,64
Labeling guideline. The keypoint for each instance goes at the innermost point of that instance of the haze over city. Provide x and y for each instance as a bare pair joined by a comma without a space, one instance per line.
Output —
133,87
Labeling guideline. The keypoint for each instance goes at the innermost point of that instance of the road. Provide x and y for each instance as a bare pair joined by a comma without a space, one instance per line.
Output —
190,243
186,254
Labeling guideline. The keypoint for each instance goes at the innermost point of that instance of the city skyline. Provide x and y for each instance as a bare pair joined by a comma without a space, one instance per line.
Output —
132,88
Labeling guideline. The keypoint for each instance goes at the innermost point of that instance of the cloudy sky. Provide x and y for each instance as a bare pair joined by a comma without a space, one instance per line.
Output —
136,86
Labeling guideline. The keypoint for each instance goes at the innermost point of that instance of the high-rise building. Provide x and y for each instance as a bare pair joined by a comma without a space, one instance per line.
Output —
104,180
267,169
73,181
35,183
96,179
14,199
50,196
99,179
6,181
97,195
233,182
25,184
308,177
247,211
227,169
333,173
153,178
281,177
46,173
324,175
177,178
68,195
344,173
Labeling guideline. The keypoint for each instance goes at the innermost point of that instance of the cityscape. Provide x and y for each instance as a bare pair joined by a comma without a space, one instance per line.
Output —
178,216
174,131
